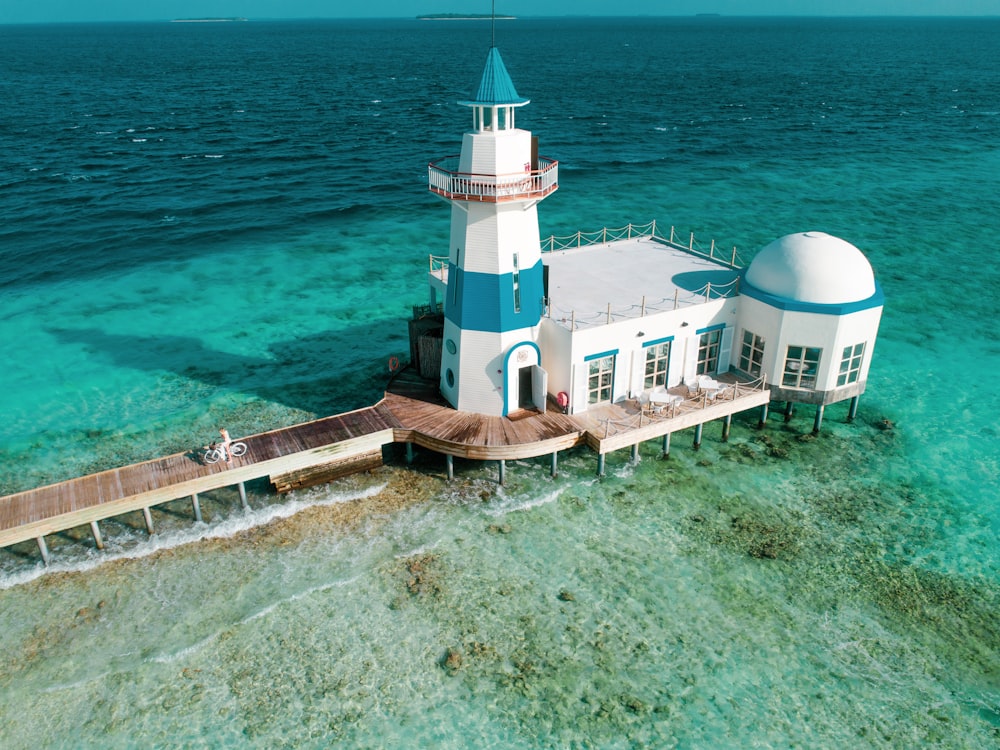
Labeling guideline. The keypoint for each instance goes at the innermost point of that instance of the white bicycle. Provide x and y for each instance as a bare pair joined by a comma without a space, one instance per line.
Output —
215,453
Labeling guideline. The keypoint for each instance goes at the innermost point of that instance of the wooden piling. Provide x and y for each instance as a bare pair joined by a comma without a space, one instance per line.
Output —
196,506
634,457
554,468
600,464
243,496
148,518
96,531
409,453
450,460
503,471
697,435
726,425
666,445
43,548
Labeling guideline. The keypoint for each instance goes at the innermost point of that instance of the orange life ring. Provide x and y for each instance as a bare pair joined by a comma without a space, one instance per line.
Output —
393,364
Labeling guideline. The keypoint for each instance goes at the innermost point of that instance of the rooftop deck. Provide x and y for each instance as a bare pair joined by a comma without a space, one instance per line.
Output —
630,278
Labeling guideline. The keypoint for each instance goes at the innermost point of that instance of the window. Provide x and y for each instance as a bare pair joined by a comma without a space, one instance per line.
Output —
801,366
600,380
850,364
751,353
657,364
708,352
517,286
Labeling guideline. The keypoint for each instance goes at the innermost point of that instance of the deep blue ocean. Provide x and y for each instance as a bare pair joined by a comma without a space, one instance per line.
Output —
228,224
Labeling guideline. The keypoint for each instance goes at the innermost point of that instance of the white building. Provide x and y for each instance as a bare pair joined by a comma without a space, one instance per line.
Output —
619,318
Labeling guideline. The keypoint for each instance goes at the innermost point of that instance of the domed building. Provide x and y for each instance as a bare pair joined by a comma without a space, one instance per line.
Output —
809,313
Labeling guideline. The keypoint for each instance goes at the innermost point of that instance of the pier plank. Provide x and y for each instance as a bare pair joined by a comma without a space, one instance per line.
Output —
327,447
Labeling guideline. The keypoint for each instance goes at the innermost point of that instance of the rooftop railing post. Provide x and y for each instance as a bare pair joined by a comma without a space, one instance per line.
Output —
711,250
732,263
691,242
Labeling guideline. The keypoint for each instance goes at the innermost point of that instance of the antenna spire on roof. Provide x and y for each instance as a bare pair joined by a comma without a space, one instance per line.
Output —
493,25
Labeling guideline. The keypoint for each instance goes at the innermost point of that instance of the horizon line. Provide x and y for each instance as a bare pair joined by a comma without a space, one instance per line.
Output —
938,16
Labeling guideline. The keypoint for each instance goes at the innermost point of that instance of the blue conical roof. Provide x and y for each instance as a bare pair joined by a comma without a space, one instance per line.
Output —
496,88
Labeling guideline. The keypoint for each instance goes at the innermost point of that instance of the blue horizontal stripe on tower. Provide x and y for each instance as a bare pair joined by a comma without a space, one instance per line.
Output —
485,301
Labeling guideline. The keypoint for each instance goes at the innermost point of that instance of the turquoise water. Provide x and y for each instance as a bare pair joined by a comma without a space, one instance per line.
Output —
237,263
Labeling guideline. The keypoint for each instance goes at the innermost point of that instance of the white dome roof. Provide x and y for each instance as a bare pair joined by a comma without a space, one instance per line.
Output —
812,267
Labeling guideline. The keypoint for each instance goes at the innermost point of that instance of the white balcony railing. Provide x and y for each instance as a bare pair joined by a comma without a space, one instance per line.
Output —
535,184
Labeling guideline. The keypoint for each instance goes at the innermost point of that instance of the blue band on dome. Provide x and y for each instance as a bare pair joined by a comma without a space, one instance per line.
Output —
794,305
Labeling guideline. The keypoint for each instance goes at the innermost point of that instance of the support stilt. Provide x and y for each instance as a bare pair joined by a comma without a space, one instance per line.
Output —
43,548
96,531
789,410
243,496
409,453
196,505
634,457
554,470
852,410
148,518
450,460
697,436
503,472
763,417
726,425
666,445
600,464
818,419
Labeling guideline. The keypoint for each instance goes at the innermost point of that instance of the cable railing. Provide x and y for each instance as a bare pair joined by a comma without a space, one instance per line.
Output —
439,266
574,320
650,229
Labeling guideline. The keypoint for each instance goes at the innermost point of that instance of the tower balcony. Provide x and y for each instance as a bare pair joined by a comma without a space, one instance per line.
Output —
531,184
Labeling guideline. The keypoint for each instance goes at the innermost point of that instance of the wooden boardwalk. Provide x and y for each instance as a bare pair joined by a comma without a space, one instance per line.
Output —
411,412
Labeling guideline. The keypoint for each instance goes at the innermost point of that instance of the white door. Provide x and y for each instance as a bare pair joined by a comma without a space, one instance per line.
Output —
539,387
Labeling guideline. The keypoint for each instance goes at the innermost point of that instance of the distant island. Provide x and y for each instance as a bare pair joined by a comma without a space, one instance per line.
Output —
463,17
205,20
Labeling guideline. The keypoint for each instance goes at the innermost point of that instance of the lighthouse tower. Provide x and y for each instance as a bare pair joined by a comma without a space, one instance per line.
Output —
495,294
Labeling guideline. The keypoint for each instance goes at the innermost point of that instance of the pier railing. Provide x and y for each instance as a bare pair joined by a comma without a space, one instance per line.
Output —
444,179
694,402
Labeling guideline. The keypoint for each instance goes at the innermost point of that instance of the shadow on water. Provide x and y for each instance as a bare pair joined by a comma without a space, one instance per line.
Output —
317,373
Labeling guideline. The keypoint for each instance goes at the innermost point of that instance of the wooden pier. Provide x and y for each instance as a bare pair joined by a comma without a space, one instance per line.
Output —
411,412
